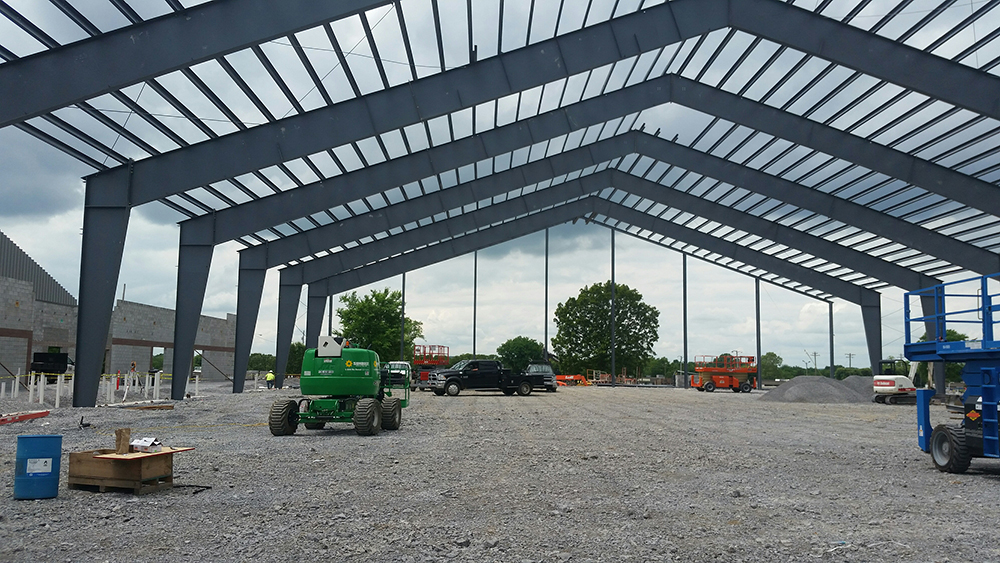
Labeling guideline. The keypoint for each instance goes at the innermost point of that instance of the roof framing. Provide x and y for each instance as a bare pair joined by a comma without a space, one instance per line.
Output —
892,167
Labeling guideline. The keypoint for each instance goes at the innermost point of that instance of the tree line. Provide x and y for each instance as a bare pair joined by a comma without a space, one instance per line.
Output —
582,341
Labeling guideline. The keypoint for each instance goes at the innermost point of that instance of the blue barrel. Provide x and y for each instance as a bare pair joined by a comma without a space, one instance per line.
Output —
36,467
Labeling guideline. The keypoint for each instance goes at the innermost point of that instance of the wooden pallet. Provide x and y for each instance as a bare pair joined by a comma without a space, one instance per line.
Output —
136,472
103,485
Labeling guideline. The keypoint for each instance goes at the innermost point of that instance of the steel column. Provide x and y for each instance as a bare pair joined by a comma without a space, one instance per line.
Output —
193,263
545,347
833,370
756,288
288,308
105,223
871,318
248,296
314,319
613,372
402,321
928,307
475,286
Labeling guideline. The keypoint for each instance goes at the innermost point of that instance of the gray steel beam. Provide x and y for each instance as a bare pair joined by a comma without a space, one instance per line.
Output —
232,222
288,306
116,59
314,319
869,53
867,299
105,223
248,297
252,216
192,279
873,266
321,268
589,48
968,256
429,255
932,177
286,249
386,110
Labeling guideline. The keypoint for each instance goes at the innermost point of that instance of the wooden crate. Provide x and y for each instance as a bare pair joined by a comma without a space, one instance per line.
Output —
137,472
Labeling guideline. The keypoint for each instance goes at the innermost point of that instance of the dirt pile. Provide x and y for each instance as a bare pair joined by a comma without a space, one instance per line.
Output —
816,389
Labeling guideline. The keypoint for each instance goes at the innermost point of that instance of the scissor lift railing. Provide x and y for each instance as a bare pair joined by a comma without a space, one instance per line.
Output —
953,306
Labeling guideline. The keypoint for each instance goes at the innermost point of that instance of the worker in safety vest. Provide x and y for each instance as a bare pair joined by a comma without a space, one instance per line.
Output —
270,379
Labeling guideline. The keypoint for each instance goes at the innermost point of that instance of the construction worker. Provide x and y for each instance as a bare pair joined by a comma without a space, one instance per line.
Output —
270,379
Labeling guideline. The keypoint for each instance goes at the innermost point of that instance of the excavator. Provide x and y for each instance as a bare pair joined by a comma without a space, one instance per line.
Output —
893,385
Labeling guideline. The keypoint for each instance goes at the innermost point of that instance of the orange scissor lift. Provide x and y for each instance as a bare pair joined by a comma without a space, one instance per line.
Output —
427,358
738,373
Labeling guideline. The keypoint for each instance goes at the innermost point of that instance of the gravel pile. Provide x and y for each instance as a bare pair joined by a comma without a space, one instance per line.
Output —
585,474
861,384
817,389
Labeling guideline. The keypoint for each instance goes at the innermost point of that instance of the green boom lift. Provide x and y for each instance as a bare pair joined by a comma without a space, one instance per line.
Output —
348,386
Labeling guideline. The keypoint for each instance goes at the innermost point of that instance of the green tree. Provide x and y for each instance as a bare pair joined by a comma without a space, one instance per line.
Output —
660,366
156,362
459,357
295,354
261,362
516,353
770,366
583,338
372,322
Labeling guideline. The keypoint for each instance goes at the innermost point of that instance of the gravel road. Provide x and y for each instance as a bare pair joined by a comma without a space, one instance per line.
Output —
585,474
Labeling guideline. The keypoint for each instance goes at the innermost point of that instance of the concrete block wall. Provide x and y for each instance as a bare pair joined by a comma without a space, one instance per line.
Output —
17,311
136,323
54,326
136,328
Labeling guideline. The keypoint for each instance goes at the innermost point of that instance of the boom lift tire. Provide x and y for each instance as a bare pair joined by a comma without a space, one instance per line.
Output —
392,413
367,417
745,387
709,386
452,388
283,419
949,451
524,389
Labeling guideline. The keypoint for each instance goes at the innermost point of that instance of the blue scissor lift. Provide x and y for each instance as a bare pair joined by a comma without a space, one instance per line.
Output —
966,306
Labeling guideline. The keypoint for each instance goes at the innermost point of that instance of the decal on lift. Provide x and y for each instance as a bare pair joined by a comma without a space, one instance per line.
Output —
973,415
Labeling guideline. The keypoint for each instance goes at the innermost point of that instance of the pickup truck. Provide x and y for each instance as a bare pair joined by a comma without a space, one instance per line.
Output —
549,376
483,375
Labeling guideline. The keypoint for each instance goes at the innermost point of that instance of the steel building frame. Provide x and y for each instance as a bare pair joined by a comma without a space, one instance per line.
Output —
854,156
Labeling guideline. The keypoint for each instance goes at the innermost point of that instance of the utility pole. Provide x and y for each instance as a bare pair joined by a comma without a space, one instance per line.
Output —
815,367
850,357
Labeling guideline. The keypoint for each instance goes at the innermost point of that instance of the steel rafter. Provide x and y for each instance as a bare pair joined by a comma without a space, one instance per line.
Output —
129,55
867,299
614,40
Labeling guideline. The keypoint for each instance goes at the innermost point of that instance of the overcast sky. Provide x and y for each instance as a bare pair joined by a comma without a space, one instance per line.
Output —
42,209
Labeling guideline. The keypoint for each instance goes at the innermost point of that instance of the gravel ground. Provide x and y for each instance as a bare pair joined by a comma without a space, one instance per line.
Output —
585,474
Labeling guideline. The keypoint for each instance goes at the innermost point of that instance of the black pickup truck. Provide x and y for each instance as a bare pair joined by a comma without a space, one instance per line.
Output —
482,375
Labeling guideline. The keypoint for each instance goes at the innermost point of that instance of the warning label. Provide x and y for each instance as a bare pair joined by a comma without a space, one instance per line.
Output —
38,465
